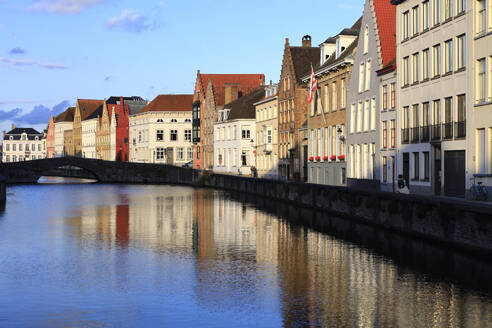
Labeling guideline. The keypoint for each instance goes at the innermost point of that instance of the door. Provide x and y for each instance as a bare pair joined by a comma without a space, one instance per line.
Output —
454,173
406,168
170,155
305,161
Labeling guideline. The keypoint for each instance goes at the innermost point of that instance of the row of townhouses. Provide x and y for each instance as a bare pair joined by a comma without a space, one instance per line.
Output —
401,97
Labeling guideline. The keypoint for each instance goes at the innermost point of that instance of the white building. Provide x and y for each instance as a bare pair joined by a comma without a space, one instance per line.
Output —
89,128
23,144
267,133
234,135
433,59
479,129
161,132
63,122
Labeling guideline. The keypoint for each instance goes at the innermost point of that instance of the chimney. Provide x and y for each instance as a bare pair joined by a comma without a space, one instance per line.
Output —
4,133
227,93
234,92
306,41
13,126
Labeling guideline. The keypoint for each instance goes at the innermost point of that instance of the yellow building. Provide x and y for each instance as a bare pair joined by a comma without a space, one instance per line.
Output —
83,109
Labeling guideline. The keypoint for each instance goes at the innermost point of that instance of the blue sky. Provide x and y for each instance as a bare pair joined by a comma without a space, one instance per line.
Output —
55,51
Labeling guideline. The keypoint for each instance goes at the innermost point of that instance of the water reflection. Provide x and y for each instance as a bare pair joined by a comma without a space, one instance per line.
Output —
206,259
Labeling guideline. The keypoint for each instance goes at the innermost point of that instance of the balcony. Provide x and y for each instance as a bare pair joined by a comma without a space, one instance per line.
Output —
405,135
447,130
425,133
415,135
435,132
460,129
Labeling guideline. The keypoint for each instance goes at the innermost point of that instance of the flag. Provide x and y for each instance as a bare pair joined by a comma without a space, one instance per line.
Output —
313,86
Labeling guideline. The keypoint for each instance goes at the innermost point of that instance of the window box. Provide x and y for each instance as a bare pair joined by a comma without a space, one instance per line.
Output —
311,158
318,158
333,157
325,158
341,157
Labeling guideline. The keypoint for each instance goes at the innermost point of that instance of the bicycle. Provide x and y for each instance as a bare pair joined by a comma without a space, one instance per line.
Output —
478,190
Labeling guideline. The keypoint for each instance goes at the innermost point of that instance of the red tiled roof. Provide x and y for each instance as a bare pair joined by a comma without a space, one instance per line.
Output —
170,103
66,116
246,84
386,20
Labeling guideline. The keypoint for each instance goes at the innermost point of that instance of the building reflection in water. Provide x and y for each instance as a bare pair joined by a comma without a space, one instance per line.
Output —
247,259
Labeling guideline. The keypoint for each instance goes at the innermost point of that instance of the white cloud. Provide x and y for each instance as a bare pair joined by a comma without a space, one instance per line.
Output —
22,63
63,6
130,20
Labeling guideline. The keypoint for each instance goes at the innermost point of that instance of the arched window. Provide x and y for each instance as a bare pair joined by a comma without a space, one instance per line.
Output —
366,40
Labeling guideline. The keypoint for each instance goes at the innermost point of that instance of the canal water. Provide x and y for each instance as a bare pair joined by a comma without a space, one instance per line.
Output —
92,255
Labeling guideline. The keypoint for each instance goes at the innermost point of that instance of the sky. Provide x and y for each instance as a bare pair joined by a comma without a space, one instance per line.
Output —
55,51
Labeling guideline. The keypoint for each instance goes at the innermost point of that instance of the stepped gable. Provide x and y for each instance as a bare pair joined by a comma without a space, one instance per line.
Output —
386,24
244,107
169,103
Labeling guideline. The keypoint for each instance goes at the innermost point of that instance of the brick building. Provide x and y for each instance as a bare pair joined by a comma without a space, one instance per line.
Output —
212,91
292,106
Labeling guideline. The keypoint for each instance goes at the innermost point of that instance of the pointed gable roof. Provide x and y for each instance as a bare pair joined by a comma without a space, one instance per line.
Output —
386,25
87,107
169,103
245,82
66,116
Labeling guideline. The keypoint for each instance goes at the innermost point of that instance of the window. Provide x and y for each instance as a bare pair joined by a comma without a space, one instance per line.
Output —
20,147
139,136
373,114
7,147
174,120
406,25
187,135
392,133
385,134
460,128
385,97
160,135
174,135
426,15
14,158
7,158
352,118
481,80
343,94
368,75
461,6
180,154
416,168
39,147
436,112
436,57
425,64
393,94
359,117
187,120
415,68
245,134
461,51
334,96
198,152
159,153
361,77
448,56
415,22
481,16
406,69
385,169
437,11
326,88
426,165
366,115
415,116
448,9
366,40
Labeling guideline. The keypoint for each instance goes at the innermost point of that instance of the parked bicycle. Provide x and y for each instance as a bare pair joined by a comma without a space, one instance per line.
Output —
478,191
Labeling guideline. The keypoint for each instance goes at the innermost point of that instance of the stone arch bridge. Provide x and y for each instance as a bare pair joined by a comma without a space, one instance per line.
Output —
102,171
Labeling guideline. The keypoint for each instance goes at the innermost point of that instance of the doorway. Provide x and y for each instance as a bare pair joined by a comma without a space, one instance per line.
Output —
454,173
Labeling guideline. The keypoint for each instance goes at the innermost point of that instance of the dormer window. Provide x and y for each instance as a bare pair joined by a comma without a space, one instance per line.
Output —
11,138
36,138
